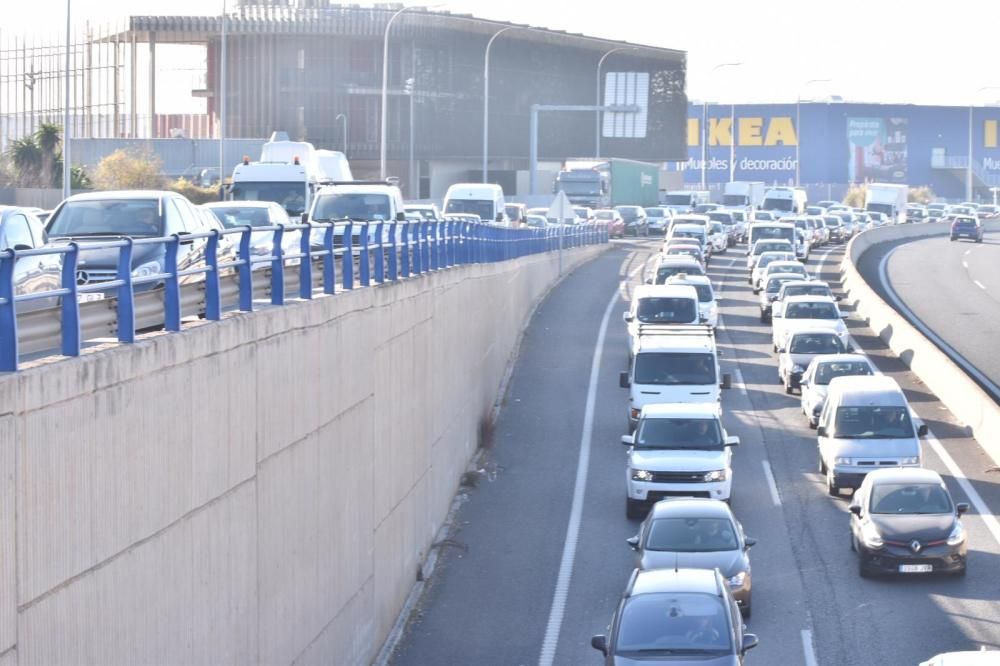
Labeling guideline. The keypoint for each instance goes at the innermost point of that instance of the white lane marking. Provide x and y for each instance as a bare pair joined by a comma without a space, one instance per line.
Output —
980,285
822,260
984,512
968,252
740,383
965,265
558,609
771,485
808,649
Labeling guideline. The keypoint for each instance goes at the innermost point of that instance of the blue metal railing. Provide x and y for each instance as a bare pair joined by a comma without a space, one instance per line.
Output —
383,251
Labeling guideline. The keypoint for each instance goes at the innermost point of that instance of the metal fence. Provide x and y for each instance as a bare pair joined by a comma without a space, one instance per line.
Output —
382,252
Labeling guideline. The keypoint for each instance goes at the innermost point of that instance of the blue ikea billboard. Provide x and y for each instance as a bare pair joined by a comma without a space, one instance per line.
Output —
844,143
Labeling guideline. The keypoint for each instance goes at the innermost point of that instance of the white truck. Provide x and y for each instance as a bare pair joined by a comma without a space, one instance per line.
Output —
684,201
785,200
888,199
288,174
743,195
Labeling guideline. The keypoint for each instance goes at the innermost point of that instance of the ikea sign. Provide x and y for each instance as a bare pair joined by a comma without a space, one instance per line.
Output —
750,131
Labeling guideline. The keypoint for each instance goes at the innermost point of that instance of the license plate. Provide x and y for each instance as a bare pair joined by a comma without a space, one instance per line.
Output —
88,298
916,568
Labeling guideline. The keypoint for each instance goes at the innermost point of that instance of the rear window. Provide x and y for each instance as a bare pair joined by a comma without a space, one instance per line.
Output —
811,311
815,343
664,272
691,535
674,369
873,423
826,372
660,310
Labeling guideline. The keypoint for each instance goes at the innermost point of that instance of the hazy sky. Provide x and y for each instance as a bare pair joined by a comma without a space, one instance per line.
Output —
873,50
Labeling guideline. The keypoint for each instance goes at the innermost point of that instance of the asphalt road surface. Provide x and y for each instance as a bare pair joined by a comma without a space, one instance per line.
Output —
491,597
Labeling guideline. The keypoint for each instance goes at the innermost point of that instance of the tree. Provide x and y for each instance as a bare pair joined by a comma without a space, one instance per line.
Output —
48,138
122,170
26,160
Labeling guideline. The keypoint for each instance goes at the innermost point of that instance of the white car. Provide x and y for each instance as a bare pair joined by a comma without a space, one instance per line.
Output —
708,307
816,379
805,287
677,450
805,344
767,245
799,312
803,248
763,261
718,237
780,267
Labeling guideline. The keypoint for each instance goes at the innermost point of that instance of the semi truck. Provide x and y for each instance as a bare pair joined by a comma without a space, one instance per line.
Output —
611,182
888,199
747,195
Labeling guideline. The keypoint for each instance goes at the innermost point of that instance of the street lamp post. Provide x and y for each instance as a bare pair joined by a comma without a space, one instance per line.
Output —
597,98
222,102
486,100
411,176
704,125
798,132
343,116
385,90
968,167
67,134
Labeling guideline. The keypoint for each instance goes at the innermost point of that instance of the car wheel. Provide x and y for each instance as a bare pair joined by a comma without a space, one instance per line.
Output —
746,610
788,389
633,509
749,280
832,489
952,239
854,543
863,571
763,317
812,423
979,240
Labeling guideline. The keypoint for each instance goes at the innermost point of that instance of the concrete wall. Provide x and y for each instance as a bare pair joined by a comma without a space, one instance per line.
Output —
259,490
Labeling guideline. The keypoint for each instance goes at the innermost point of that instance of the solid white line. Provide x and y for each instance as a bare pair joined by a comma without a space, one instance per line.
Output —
984,512
822,260
808,649
558,609
968,252
771,485
965,265
980,285
740,383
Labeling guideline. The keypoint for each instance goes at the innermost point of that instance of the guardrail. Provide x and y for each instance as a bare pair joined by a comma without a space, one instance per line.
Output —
384,252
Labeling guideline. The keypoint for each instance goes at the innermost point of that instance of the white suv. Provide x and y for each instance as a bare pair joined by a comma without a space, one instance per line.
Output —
678,450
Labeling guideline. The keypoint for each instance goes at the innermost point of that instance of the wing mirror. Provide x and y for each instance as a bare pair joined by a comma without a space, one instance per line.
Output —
750,641
855,509
633,542
749,542
305,217
821,431
623,380
727,381
961,508
628,440
401,216
600,643
732,441
627,316
922,430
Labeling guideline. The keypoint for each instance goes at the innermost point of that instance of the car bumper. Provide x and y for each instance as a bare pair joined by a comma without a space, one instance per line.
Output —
942,558
650,492
851,477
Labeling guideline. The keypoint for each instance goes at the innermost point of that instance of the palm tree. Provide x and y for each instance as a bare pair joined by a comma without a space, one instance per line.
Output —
48,138
27,160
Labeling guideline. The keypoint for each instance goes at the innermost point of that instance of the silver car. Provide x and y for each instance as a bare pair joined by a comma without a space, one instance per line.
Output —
818,375
803,346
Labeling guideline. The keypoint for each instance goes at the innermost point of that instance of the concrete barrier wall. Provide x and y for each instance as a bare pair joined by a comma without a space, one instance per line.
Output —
946,379
259,490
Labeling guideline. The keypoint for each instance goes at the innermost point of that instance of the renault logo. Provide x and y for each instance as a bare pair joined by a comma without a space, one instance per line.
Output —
915,546
82,277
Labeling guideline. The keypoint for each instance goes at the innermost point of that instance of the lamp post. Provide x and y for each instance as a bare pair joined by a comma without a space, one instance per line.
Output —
343,116
411,174
486,100
968,167
704,125
798,115
67,134
222,102
597,97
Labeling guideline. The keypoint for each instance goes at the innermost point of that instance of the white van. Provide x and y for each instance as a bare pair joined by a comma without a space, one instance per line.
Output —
484,200
866,424
785,200
659,305
673,365
684,201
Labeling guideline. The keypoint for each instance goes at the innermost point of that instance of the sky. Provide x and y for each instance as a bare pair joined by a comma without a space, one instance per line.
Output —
870,50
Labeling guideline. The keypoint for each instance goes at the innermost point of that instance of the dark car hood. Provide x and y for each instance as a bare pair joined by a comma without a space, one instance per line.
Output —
905,528
729,562
107,258
725,660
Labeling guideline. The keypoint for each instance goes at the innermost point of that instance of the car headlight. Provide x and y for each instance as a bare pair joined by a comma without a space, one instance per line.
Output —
642,475
843,461
717,475
147,269
737,580
913,460
871,537
957,535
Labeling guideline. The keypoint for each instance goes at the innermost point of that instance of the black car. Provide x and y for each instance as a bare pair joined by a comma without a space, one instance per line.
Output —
903,521
636,220
967,226
676,617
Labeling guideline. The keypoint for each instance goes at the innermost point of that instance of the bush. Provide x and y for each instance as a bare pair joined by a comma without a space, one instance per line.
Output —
194,193
855,197
124,170
921,195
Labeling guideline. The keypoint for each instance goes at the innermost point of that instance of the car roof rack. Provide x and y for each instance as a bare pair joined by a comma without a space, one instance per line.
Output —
675,329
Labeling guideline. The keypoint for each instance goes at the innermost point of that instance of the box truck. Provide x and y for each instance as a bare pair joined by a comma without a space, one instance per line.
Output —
747,195
888,199
608,183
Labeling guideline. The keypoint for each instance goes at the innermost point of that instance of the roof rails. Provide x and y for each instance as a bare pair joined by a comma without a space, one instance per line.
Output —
675,329
392,180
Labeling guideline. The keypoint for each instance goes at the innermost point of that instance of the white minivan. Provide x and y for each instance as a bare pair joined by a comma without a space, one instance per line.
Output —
482,199
865,425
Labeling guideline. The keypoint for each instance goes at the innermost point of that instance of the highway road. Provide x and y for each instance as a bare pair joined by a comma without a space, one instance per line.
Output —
511,589
953,288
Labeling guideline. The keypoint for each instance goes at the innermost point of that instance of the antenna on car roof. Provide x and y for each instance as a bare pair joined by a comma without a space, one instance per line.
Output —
677,562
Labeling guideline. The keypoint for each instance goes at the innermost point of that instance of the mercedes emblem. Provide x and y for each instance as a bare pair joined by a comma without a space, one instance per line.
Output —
82,277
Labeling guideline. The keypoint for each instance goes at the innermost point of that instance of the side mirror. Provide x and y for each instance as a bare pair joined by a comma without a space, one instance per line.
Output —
22,248
838,298
633,542
732,441
821,431
401,216
749,542
628,440
922,430
961,508
600,643
499,218
649,280
855,509
627,316
623,380
305,217
843,315
727,381
750,641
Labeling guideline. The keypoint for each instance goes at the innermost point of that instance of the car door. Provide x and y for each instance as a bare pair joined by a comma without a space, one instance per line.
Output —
31,274
181,218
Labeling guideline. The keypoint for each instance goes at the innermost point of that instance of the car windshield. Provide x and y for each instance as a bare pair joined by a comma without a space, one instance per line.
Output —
777,204
353,206
815,343
425,213
808,290
289,195
677,200
664,272
674,623
679,433
909,498
811,311
831,221
782,268
654,212
584,187
691,535
826,372
873,423
232,216
136,218
481,208
666,310
720,217
674,369
717,228
604,215
684,250
774,284
761,248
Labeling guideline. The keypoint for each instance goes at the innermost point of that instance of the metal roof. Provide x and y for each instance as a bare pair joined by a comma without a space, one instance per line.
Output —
354,20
